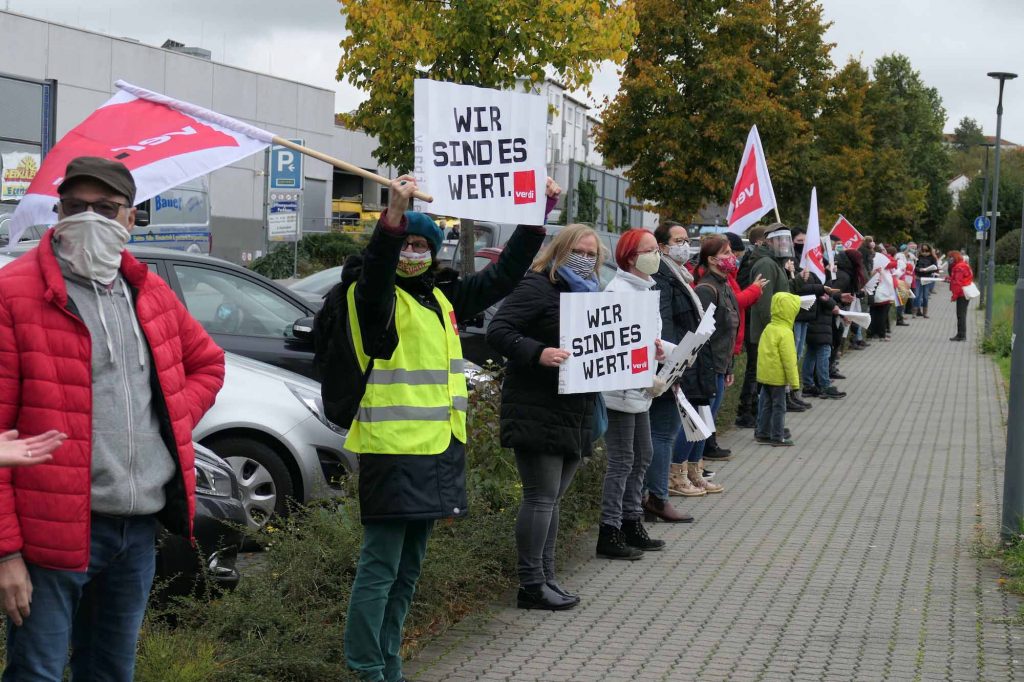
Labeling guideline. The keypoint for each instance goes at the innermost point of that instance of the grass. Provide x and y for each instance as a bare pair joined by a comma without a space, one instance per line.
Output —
997,343
1009,559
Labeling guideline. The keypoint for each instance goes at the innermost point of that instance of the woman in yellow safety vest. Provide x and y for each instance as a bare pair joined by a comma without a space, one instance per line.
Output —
410,427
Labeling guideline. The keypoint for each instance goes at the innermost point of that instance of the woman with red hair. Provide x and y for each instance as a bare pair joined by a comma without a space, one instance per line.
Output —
960,276
628,439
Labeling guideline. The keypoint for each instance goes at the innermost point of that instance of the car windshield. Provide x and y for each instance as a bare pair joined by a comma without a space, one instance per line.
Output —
319,282
225,303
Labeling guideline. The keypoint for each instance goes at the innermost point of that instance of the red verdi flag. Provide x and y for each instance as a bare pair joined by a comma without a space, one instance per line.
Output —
847,234
164,142
752,195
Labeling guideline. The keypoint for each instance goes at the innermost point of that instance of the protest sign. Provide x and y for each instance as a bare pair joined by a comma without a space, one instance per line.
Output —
480,152
847,234
696,426
610,339
685,354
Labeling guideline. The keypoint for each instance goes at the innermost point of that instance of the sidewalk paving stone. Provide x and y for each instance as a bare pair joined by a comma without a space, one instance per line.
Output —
847,557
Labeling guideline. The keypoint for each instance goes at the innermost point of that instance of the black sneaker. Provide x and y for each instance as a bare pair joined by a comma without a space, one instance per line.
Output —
792,406
785,442
636,536
835,375
611,544
833,393
718,454
811,392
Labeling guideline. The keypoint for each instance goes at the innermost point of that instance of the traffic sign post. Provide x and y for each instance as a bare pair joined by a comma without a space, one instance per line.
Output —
286,167
982,223
284,221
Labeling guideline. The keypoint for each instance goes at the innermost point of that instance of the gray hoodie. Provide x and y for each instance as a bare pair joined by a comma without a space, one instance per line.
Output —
130,460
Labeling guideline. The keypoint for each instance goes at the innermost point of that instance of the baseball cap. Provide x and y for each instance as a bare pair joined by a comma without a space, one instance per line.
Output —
113,174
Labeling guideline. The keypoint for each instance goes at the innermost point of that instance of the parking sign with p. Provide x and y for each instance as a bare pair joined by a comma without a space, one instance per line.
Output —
285,167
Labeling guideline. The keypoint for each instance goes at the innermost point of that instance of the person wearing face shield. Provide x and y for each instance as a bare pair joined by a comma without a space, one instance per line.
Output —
94,341
410,427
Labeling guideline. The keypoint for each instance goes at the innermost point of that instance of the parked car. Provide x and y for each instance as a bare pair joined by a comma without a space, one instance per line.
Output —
219,520
269,425
314,287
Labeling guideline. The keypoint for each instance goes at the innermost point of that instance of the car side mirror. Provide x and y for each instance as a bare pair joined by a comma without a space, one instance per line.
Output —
141,218
302,329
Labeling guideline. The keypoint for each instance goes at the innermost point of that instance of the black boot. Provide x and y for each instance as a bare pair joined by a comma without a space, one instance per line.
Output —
557,589
611,544
543,597
714,452
792,405
636,536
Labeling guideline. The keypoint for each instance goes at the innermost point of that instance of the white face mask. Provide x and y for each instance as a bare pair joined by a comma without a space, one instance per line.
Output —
648,263
680,253
92,245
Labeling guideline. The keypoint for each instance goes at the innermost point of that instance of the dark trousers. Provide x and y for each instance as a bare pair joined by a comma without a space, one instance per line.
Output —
97,613
961,317
748,393
389,566
545,479
879,320
771,413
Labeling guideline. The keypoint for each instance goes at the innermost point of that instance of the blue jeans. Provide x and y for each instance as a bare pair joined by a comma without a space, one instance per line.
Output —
97,613
800,336
665,426
924,291
771,413
815,369
684,450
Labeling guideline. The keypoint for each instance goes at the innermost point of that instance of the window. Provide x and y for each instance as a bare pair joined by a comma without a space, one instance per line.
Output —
226,303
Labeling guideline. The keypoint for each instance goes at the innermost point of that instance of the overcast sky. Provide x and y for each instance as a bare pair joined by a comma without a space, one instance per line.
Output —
946,41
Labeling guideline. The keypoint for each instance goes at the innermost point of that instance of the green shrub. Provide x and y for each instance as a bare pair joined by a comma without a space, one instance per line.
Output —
1008,247
317,251
1006,273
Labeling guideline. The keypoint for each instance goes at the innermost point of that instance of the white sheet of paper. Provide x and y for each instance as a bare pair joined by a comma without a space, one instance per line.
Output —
705,414
930,280
807,301
694,427
859,319
684,355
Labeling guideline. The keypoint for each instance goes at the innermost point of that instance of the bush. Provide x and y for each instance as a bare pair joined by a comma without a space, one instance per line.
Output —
1008,247
286,620
317,251
1006,274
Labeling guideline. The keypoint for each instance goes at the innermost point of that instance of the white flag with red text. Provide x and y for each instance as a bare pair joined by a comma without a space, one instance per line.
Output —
164,142
752,195
813,256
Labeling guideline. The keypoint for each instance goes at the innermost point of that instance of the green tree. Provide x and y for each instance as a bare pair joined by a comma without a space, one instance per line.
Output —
586,202
487,43
699,75
967,134
908,118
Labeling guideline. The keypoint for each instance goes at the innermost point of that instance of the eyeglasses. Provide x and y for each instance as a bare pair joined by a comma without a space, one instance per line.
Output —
585,253
107,209
418,247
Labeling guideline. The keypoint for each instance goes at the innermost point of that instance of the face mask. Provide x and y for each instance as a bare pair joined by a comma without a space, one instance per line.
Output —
648,263
798,250
413,264
727,264
91,245
582,266
680,253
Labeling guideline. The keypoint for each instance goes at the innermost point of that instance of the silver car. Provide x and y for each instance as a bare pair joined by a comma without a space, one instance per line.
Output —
269,424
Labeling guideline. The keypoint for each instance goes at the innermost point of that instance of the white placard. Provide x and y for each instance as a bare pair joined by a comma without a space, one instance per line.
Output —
685,354
694,427
480,152
610,338
931,280
859,319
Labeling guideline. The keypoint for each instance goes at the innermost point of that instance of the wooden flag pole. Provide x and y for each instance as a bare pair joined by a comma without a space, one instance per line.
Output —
777,218
343,165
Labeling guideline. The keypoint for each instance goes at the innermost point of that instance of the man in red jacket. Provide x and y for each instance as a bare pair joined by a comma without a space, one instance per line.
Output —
93,344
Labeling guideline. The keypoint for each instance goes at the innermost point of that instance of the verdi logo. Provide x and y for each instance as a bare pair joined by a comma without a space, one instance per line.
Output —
639,360
524,187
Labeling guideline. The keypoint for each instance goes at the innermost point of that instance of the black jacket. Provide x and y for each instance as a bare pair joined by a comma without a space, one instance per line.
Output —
714,289
535,418
679,315
412,487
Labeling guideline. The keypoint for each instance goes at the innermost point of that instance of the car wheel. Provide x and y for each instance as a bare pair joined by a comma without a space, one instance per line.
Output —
264,481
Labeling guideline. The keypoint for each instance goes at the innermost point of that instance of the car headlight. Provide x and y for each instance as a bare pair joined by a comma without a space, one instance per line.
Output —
211,480
311,399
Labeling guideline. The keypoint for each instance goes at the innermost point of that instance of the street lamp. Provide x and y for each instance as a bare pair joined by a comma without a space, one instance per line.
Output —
1002,77
984,212
1013,473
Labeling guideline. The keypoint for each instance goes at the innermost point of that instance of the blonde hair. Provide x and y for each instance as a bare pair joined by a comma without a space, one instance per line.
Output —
556,252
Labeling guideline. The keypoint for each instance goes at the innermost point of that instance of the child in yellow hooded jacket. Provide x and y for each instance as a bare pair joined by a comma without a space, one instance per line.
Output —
777,370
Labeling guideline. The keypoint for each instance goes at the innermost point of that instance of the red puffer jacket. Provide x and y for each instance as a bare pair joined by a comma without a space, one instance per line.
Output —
745,298
45,383
960,275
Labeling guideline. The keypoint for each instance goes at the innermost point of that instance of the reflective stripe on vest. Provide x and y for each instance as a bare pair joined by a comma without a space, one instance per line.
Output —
416,400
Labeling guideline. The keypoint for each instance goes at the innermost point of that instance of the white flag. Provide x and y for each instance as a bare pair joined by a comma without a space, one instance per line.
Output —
812,258
752,194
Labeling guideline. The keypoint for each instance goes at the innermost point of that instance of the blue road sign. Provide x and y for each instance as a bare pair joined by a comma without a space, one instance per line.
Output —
982,223
285,167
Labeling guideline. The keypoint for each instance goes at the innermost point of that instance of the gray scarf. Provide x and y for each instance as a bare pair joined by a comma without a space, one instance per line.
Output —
684,276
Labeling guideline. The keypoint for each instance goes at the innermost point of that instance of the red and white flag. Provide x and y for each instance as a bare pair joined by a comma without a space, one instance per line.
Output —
164,142
752,195
847,234
813,256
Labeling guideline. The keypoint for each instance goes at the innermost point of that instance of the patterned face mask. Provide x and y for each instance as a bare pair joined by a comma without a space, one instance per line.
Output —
583,266
413,264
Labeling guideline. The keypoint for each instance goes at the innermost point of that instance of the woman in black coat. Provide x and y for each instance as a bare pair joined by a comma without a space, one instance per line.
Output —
549,433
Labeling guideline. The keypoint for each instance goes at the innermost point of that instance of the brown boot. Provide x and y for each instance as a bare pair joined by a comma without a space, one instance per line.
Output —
695,471
663,510
679,483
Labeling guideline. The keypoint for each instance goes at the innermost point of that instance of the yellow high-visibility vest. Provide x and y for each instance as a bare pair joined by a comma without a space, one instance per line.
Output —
416,400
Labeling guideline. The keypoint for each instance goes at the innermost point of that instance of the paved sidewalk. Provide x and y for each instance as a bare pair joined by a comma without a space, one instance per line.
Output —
847,557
